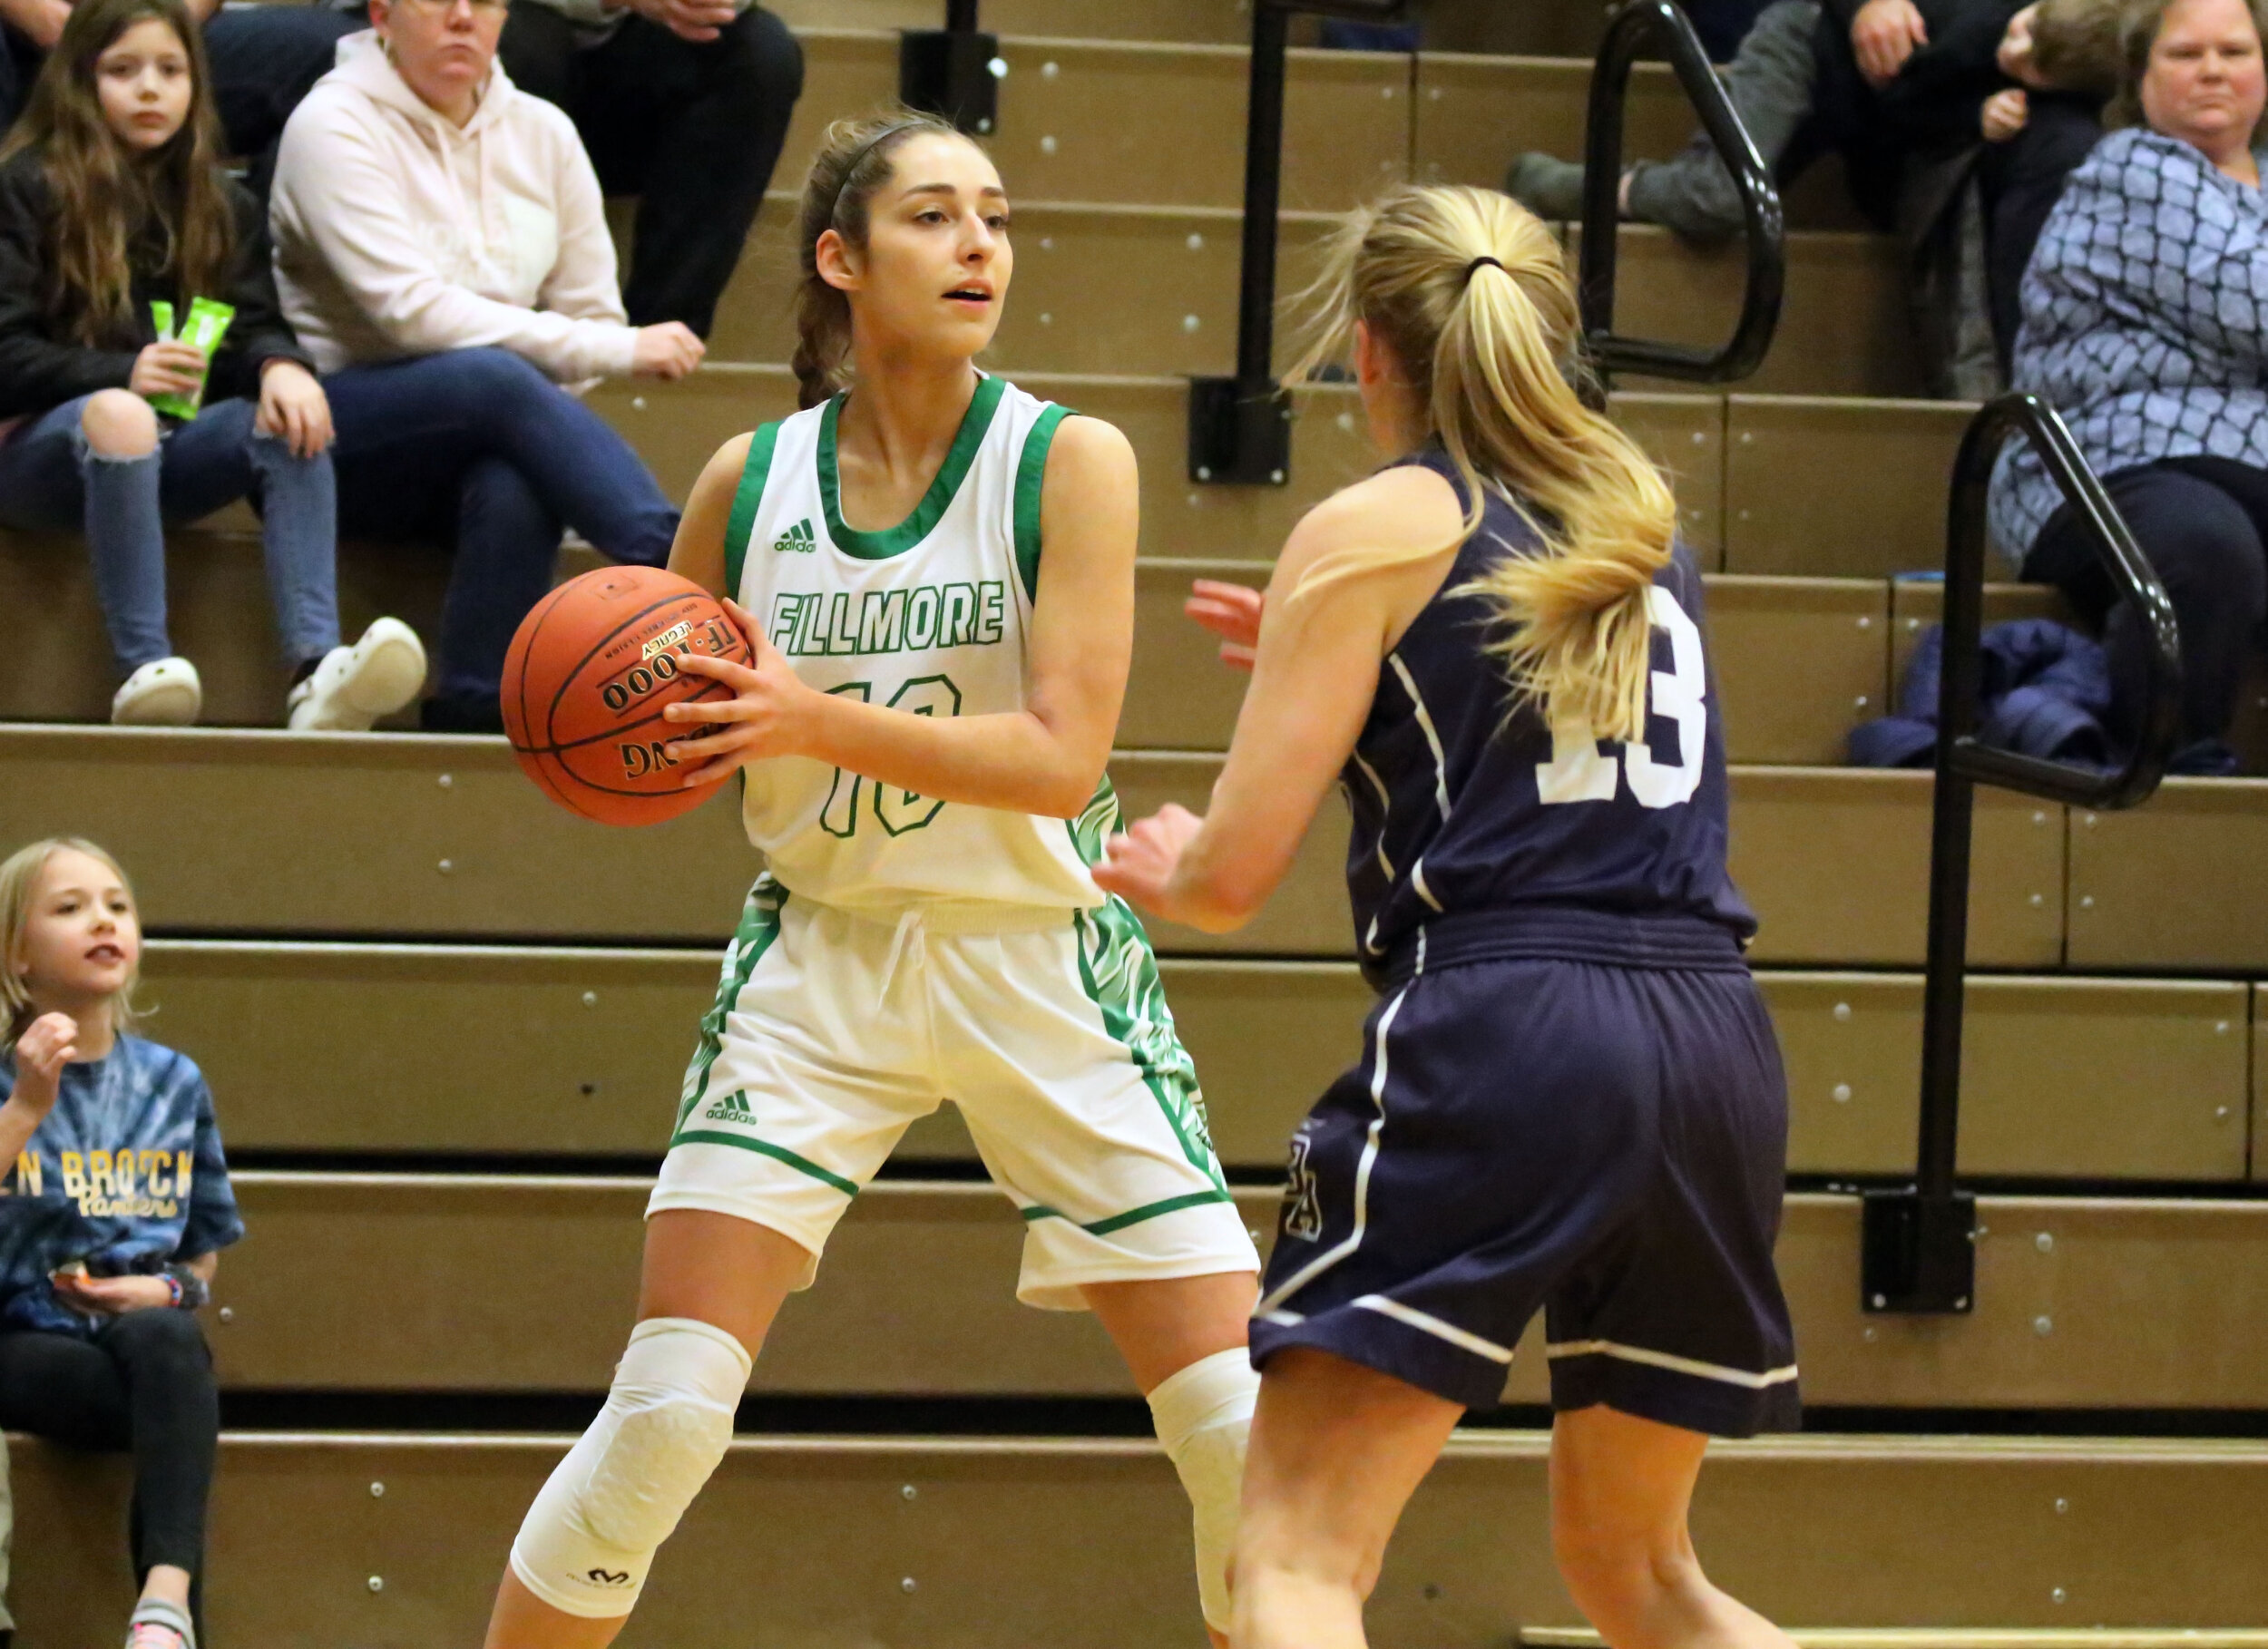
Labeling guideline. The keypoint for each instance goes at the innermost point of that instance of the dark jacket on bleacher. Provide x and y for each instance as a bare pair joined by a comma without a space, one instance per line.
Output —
41,367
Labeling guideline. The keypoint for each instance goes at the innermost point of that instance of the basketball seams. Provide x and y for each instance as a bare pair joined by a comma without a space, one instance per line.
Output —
567,680
551,762
523,646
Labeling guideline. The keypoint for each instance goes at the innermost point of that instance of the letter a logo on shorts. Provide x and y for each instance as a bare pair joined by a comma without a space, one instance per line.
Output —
1302,1214
732,1108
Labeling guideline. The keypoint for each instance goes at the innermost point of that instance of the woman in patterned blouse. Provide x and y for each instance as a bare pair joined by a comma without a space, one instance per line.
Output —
2146,323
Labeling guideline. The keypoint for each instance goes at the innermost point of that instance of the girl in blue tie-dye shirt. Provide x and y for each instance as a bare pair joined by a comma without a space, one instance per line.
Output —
118,1204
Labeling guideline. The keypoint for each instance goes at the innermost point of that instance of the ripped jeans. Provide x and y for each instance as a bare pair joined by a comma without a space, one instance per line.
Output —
50,483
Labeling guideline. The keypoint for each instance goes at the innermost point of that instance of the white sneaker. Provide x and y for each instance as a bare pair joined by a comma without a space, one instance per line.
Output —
166,694
354,686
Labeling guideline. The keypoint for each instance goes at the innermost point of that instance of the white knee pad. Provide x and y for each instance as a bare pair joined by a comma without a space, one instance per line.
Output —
1203,1417
589,1539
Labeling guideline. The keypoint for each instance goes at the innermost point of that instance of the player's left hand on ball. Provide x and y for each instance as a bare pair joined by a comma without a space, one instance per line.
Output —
1138,864
765,716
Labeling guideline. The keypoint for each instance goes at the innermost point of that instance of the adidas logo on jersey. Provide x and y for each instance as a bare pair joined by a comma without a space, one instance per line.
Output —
799,537
732,1108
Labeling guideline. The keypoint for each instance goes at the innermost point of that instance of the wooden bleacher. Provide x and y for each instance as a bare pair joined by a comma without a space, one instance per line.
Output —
1083,1544
2074,1078
445,1023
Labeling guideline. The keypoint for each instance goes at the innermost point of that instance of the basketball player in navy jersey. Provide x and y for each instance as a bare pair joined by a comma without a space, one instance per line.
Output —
1569,1099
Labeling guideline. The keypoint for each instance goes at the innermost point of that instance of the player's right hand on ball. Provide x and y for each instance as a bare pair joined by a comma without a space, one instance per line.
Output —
51,1043
1232,612
769,712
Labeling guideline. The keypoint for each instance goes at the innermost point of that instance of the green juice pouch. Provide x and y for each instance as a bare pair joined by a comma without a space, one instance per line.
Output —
205,325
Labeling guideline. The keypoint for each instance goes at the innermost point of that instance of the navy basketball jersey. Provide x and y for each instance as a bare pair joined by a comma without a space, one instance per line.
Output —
1504,836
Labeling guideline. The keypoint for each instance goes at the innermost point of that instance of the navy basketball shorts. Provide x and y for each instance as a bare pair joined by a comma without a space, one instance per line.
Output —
1606,1143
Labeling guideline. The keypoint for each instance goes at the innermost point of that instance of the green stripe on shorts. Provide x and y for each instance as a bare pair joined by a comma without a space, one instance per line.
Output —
1120,972
760,925
1132,1217
765,1147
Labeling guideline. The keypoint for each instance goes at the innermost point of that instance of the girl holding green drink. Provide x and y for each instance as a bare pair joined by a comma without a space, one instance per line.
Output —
147,377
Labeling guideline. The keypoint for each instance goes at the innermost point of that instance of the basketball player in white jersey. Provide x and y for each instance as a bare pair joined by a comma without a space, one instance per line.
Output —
935,573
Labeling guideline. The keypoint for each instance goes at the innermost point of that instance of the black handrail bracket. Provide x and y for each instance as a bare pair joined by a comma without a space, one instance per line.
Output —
1240,427
953,71
1918,1251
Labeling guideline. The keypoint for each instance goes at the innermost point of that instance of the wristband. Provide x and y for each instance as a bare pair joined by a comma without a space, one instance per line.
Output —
187,1289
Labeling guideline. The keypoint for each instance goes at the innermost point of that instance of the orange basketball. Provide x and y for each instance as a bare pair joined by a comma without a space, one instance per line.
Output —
593,666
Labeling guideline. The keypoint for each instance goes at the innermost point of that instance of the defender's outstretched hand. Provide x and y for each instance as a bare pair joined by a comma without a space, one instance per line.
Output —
1138,864
769,714
1232,612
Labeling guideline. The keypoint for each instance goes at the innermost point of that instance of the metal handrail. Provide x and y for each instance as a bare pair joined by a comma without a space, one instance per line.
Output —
1659,24
1240,426
1918,1248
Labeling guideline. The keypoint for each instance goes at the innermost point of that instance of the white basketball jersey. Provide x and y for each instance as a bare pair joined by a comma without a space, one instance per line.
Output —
933,616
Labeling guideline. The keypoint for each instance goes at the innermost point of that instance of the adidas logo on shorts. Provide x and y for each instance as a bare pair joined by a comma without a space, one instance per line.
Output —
799,537
732,1108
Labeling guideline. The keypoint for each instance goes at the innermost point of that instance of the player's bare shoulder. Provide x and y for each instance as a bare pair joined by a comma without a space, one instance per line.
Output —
1087,454
1090,498
1401,527
1403,504
698,552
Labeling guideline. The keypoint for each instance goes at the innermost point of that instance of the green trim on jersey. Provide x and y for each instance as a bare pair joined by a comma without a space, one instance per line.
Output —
1132,1217
742,522
760,925
1097,822
1120,972
1030,473
898,540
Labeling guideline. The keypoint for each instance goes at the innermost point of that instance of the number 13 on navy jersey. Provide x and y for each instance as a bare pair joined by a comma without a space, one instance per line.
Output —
1580,772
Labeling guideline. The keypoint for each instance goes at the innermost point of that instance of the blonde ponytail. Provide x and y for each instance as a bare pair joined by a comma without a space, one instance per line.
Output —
1469,292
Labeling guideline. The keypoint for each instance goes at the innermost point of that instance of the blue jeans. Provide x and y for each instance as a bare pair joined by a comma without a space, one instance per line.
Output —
479,450
50,483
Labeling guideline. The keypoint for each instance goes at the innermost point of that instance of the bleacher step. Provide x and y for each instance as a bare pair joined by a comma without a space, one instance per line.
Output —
394,1541
270,834
1152,287
310,1046
2082,1303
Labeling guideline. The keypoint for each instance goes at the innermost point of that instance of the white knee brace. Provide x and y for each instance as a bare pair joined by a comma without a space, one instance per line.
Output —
589,1539
1203,1415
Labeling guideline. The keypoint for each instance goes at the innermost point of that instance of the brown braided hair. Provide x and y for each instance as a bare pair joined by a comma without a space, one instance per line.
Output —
853,163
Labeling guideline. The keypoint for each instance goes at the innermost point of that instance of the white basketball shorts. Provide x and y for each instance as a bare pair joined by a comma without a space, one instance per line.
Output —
832,1033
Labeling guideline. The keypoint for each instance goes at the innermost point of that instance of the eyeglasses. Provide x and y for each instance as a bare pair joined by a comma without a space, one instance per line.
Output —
485,9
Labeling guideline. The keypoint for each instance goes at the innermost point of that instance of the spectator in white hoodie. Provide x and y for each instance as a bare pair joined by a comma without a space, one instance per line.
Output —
441,253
